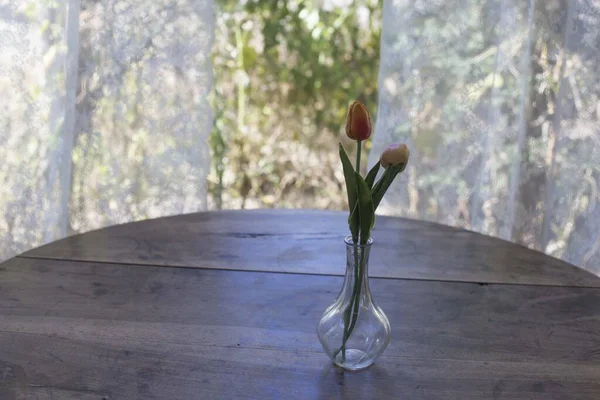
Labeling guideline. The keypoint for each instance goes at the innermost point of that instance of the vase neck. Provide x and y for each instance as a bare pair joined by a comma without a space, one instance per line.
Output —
357,266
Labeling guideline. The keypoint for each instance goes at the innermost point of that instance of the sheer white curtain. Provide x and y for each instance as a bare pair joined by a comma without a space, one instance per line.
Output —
104,116
499,101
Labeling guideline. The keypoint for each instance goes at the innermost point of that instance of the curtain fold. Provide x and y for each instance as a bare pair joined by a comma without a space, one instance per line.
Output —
499,102
105,117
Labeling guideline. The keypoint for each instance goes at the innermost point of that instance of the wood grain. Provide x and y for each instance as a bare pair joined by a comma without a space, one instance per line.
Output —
78,330
301,241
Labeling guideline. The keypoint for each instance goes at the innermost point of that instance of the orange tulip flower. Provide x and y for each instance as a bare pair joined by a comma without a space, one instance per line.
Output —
358,122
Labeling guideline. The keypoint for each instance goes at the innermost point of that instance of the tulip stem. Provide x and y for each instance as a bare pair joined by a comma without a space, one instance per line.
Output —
358,156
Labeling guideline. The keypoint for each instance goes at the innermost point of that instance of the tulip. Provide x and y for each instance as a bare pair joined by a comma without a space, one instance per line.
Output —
358,122
395,154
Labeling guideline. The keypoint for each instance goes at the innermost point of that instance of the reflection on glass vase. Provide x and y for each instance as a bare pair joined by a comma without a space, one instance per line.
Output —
353,330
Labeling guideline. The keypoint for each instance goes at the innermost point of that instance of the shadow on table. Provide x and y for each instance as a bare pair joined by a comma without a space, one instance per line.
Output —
371,383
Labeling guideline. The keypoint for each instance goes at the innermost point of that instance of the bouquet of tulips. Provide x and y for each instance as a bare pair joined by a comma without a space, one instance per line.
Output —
364,196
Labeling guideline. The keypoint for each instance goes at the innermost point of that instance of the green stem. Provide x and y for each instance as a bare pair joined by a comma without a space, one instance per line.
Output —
348,313
354,316
348,310
351,313
358,151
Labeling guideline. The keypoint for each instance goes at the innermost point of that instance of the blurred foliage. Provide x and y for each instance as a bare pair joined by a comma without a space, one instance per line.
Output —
285,72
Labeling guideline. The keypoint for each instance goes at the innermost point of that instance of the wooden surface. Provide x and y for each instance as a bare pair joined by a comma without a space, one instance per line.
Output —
119,314
301,241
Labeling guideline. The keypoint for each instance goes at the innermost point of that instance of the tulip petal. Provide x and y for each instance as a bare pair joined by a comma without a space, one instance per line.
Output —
358,122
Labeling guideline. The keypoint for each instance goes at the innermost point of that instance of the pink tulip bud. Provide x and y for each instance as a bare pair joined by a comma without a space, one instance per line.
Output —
395,154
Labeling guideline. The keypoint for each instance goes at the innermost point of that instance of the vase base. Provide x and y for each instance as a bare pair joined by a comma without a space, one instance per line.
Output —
355,360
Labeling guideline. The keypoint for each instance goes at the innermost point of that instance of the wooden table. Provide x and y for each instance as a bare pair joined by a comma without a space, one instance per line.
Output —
225,305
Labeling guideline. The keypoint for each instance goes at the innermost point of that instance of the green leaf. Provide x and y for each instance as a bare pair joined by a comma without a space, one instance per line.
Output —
354,214
370,179
352,191
375,191
366,211
384,183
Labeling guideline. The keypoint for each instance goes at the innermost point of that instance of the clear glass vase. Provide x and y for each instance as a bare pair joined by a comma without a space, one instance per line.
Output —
353,330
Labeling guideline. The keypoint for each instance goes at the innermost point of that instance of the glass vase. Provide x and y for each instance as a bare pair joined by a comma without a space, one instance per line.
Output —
353,330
